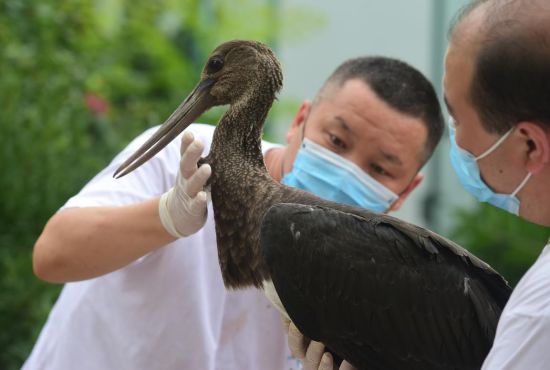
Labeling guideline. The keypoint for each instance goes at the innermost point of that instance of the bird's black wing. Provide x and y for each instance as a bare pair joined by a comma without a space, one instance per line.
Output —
379,292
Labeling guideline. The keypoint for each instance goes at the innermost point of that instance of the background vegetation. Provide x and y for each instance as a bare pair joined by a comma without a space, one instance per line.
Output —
508,243
80,78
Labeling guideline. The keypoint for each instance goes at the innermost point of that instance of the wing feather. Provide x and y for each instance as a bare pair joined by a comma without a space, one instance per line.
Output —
379,292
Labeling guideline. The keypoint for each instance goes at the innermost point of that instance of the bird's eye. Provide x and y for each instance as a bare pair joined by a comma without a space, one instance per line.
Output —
214,65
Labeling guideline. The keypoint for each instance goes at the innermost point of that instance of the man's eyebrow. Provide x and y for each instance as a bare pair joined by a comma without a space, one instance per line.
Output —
449,108
388,156
343,123
392,158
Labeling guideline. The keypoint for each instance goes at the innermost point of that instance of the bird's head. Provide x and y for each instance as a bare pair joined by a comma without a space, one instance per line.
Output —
235,71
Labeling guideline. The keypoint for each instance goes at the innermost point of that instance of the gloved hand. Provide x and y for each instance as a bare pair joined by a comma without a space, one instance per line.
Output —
311,353
183,209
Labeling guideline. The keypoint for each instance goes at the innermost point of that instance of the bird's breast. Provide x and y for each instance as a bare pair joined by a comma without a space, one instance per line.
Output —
238,213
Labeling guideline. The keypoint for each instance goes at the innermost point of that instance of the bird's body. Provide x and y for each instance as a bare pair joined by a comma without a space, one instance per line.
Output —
379,292
404,298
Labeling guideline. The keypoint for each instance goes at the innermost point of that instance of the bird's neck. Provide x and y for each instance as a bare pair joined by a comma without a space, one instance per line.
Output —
240,128
241,191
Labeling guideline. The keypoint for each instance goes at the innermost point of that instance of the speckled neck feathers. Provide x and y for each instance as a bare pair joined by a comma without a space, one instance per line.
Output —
242,190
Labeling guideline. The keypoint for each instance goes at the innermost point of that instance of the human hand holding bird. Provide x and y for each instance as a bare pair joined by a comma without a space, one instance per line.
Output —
182,209
311,353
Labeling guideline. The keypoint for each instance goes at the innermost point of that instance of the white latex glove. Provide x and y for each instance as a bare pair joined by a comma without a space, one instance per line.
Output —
183,209
311,353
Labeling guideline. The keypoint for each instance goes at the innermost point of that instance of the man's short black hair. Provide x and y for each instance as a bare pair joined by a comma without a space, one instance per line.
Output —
399,85
511,78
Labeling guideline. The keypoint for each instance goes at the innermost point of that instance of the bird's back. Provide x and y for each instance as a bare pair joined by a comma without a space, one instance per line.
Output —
379,292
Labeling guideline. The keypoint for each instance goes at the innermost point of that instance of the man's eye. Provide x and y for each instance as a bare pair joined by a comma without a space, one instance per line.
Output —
335,140
379,170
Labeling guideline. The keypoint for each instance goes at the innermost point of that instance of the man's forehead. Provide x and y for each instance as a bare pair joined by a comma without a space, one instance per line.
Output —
354,107
397,138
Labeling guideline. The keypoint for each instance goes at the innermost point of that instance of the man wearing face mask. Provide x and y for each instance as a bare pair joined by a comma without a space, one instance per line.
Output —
497,89
138,254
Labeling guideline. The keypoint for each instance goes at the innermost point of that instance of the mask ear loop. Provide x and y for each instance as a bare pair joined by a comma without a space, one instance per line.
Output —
495,145
520,186
492,148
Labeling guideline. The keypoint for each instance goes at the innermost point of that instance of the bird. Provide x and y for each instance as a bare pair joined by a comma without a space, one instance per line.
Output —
377,291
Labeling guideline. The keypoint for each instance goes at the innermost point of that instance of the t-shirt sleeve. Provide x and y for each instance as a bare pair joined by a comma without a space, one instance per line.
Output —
152,179
524,343
522,340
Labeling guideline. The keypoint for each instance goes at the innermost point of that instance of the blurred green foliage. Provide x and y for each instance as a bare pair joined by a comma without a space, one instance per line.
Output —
508,243
78,80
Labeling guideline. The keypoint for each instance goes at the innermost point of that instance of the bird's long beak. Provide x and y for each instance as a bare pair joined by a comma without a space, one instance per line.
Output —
192,107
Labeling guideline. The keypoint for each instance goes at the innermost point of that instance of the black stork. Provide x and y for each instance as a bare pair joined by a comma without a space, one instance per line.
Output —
379,292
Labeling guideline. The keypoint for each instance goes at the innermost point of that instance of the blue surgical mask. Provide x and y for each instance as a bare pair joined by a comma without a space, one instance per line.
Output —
467,170
329,176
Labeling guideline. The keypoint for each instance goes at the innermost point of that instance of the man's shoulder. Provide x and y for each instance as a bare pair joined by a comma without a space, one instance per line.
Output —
523,331
531,296
202,131
170,154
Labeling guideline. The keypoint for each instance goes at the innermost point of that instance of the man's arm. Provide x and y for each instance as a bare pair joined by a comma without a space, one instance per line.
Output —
82,243
522,338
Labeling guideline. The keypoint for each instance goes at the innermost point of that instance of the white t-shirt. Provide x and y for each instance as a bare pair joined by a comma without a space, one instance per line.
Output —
522,339
167,310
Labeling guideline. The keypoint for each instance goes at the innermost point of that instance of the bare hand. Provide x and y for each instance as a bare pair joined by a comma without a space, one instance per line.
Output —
311,353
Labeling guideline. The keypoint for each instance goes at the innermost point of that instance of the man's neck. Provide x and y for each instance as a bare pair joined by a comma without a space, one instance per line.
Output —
274,162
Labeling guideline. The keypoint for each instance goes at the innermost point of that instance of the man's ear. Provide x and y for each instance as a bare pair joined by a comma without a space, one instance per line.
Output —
537,144
408,190
298,120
